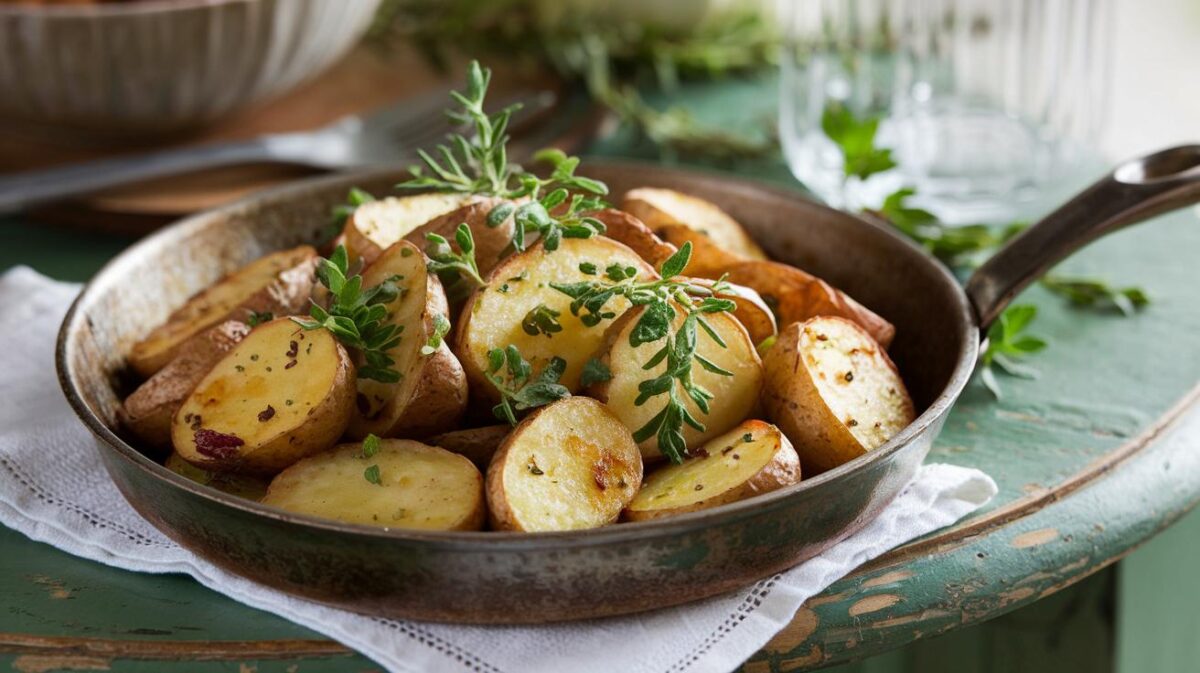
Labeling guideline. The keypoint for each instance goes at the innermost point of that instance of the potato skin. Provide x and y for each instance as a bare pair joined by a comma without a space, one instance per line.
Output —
431,396
615,451
664,207
148,411
794,402
628,229
709,259
783,469
377,225
323,425
280,283
798,296
491,243
477,444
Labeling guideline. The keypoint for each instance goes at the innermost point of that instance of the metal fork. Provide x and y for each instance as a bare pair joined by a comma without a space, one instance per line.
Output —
386,136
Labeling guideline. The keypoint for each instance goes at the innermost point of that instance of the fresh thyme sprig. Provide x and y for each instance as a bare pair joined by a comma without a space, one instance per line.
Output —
955,246
1091,292
356,316
555,207
478,165
1006,345
661,299
520,390
458,271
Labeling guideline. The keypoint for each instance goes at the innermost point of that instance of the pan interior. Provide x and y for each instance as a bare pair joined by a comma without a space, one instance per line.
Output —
137,291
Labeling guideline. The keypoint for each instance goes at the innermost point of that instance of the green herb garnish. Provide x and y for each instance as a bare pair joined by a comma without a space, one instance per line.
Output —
373,475
541,319
343,211
595,371
520,390
856,138
952,245
356,316
441,327
256,318
661,299
1094,293
458,271
370,446
1006,346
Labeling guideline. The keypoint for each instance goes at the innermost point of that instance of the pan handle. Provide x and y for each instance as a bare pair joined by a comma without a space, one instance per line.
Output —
1136,190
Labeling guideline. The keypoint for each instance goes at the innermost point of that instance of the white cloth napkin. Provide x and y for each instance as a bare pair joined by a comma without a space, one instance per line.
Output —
54,489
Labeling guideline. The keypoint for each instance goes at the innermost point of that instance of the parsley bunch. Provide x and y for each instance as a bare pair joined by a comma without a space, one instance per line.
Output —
661,300
520,390
356,316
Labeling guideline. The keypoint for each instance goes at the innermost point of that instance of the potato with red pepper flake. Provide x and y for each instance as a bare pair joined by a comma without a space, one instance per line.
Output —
567,466
282,394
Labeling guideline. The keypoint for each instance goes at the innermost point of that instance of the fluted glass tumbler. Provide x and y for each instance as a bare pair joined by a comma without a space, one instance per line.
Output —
974,104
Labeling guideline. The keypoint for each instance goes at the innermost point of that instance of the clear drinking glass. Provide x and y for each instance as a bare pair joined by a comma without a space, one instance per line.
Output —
981,102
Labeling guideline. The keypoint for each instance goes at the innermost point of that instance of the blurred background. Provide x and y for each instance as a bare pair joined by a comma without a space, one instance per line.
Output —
990,110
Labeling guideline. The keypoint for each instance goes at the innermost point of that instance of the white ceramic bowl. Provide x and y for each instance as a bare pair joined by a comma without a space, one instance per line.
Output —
160,66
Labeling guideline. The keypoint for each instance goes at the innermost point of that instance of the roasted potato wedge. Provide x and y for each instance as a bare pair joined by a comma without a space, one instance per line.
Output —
279,283
246,486
752,310
431,395
493,316
833,391
477,444
406,484
797,296
377,225
663,207
750,459
625,228
280,395
148,411
734,397
567,466
709,259
491,243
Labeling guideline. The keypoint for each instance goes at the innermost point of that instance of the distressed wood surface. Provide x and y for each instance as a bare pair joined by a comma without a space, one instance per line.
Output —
1092,459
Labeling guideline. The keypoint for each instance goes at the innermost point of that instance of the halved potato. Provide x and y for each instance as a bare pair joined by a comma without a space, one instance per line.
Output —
625,228
750,459
432,392
833,391
797,296
148,411
493,316
279,283
477,444
709,258
281,394
567,466
377,225
752,311
419,487
246,486
491,243
734,397
662,207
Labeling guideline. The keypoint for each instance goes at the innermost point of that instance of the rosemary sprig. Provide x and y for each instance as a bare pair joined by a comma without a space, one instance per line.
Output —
356,316
661,299
520,390
1006,345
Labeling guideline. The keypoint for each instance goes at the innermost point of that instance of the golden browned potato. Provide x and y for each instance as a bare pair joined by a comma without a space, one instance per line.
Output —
709,259
833,391
377,225
567,466
752,310
280,395
279,284
432,391
625,228
750,459
495,316
148,411
246,486
491,243
398,483
663,207
734,397
797,296
477,444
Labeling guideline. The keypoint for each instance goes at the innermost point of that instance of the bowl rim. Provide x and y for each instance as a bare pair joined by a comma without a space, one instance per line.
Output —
502,540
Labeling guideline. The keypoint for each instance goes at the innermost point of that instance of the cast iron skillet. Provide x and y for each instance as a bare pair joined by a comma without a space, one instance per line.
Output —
521,578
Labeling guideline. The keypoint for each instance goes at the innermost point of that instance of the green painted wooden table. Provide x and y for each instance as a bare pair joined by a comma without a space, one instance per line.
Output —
1095,457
